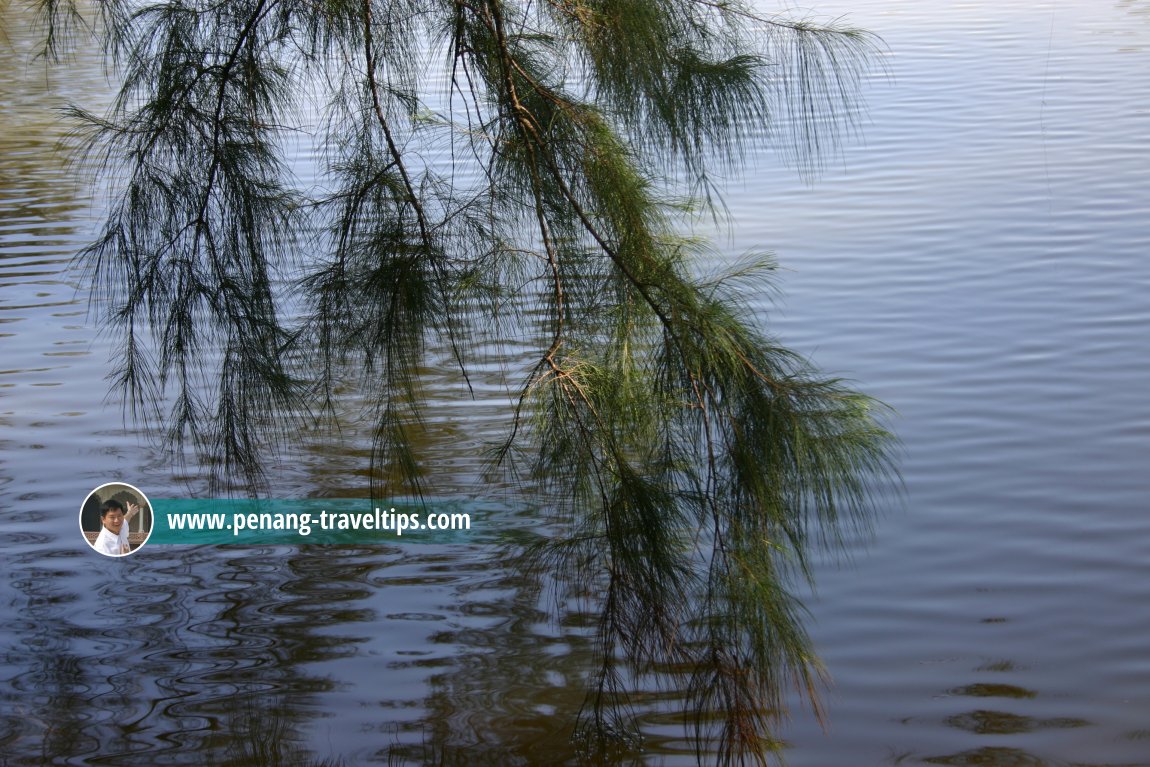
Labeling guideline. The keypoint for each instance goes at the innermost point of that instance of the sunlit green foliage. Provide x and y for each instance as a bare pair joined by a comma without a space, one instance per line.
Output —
500,163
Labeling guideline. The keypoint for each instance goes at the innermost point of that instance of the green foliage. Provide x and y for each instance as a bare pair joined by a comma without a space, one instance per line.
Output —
700,461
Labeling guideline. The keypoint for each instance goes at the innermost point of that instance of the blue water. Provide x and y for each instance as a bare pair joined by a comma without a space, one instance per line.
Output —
976,257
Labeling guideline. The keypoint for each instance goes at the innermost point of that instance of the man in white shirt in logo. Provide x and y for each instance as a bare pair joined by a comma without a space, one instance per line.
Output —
113,539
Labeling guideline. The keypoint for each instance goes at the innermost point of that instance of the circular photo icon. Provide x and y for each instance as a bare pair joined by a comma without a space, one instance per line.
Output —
116,519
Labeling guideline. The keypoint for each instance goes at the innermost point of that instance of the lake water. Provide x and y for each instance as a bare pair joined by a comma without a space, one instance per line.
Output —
977,258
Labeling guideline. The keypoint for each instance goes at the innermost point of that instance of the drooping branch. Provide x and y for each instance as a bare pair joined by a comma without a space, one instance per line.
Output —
697,461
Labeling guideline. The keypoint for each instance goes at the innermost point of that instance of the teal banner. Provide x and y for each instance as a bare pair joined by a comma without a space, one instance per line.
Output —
334,520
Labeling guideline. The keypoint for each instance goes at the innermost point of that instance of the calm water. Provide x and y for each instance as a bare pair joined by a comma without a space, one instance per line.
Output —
978,259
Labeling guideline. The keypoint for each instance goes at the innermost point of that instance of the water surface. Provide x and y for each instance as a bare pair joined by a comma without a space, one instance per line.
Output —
977,258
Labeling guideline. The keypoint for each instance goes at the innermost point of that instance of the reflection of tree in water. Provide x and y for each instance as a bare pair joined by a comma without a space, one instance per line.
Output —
45,700
1138,8
512,694
1136,11
34,180
508,696
990,721
193,660
990,756
985,722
